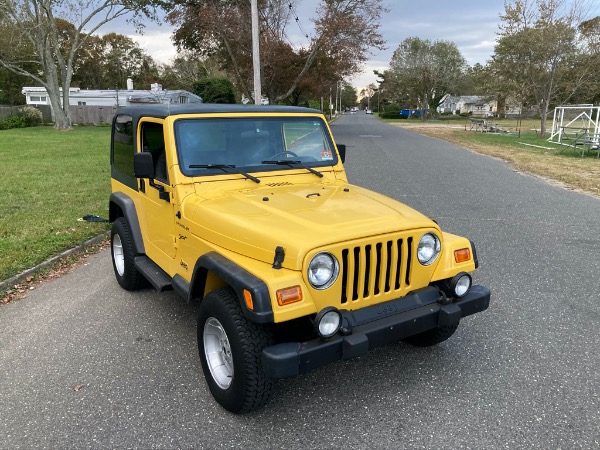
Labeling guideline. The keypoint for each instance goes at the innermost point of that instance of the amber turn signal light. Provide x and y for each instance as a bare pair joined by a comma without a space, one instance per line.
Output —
248,299
462,255
289,295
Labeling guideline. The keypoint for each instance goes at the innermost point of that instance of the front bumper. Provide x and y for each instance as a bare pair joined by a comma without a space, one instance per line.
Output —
373,327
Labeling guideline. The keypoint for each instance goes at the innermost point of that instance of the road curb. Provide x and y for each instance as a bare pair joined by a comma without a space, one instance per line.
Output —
7,284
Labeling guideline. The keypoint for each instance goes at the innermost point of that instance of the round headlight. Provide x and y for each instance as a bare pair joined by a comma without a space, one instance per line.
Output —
461,284
428,249
323,270
328,322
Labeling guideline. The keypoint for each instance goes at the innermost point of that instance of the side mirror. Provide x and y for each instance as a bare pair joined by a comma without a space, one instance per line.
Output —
342,151
143,165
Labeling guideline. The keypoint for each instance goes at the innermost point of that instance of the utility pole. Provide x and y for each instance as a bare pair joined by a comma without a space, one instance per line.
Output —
256,52
337,84
330,104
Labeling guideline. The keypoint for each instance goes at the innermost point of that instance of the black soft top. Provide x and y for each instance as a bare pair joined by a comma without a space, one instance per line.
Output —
162,111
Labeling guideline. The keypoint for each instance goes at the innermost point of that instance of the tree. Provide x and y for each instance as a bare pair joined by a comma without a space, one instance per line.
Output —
536,52
40,24
187,68
388,89
366,94
424,71
589,38
346,31
349,97
108,61
11,87
215,90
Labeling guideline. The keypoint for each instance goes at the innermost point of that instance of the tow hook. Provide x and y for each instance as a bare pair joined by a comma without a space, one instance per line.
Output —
443,299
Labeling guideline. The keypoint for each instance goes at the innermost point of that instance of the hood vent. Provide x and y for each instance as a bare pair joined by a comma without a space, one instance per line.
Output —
283,183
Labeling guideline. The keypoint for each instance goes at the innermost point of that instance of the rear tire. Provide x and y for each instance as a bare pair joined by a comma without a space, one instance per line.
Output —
432,337
230,348
123,257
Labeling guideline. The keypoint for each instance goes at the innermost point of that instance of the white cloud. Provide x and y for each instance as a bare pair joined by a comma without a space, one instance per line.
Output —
156,43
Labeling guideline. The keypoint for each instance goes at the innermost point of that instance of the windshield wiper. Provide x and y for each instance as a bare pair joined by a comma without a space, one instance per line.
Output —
292,163
223,167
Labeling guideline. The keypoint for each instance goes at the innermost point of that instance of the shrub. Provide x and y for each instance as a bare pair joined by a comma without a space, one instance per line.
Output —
13,121
392,108
31,114
215,90
393,115
391,111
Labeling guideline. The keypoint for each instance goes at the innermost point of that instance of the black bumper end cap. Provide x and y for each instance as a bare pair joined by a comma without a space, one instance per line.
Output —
449,315
355,345
281,360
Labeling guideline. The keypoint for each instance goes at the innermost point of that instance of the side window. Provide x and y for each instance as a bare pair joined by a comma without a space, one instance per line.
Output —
122,145
153,141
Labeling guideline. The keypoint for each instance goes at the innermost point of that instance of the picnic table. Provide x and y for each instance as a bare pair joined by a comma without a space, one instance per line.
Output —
486,126
580,139
478,125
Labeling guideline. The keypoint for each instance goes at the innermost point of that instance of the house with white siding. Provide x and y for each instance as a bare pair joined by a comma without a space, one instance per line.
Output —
113,97
476,105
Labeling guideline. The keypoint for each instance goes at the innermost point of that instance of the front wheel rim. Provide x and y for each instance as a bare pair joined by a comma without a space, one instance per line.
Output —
217,352
118,255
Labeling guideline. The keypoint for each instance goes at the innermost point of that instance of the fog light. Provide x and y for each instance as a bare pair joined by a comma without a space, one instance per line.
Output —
327,322
461,284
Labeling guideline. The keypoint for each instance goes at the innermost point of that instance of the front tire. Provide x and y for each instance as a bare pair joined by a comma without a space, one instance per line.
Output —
123,256
230,348
432,337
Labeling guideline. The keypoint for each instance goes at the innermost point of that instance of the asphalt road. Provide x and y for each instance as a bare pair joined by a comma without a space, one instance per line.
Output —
84,364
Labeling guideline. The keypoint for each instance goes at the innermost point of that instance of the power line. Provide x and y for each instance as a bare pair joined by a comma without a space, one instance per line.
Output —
282,32
297,19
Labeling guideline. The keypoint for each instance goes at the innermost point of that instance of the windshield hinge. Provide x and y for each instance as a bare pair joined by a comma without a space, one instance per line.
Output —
279,257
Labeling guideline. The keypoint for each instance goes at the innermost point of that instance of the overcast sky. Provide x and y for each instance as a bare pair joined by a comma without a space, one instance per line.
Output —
471,24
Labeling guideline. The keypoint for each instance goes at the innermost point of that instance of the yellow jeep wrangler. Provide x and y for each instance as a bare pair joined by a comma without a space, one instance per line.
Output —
247,211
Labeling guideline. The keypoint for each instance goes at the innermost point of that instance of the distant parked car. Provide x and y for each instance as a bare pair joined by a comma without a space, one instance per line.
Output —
368,111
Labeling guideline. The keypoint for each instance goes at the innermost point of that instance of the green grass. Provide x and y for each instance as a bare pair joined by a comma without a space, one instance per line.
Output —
515,134
50,180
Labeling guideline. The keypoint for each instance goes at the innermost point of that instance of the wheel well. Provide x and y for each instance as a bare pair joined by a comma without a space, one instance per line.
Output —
114,212
206,281
213,270
121,205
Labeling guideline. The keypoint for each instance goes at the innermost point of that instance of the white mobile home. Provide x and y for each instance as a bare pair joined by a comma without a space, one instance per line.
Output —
112,97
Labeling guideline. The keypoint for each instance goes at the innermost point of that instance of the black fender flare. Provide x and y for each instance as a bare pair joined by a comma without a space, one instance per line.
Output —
126,205
239,279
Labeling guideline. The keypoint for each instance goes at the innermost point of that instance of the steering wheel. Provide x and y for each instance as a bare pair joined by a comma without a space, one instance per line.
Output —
283,153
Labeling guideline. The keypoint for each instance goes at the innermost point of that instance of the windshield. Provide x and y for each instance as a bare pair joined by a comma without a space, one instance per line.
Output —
252,144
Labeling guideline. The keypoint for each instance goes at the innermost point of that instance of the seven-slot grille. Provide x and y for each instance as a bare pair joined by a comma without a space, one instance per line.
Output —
375,268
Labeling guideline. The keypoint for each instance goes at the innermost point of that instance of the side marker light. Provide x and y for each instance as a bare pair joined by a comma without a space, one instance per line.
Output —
248,299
